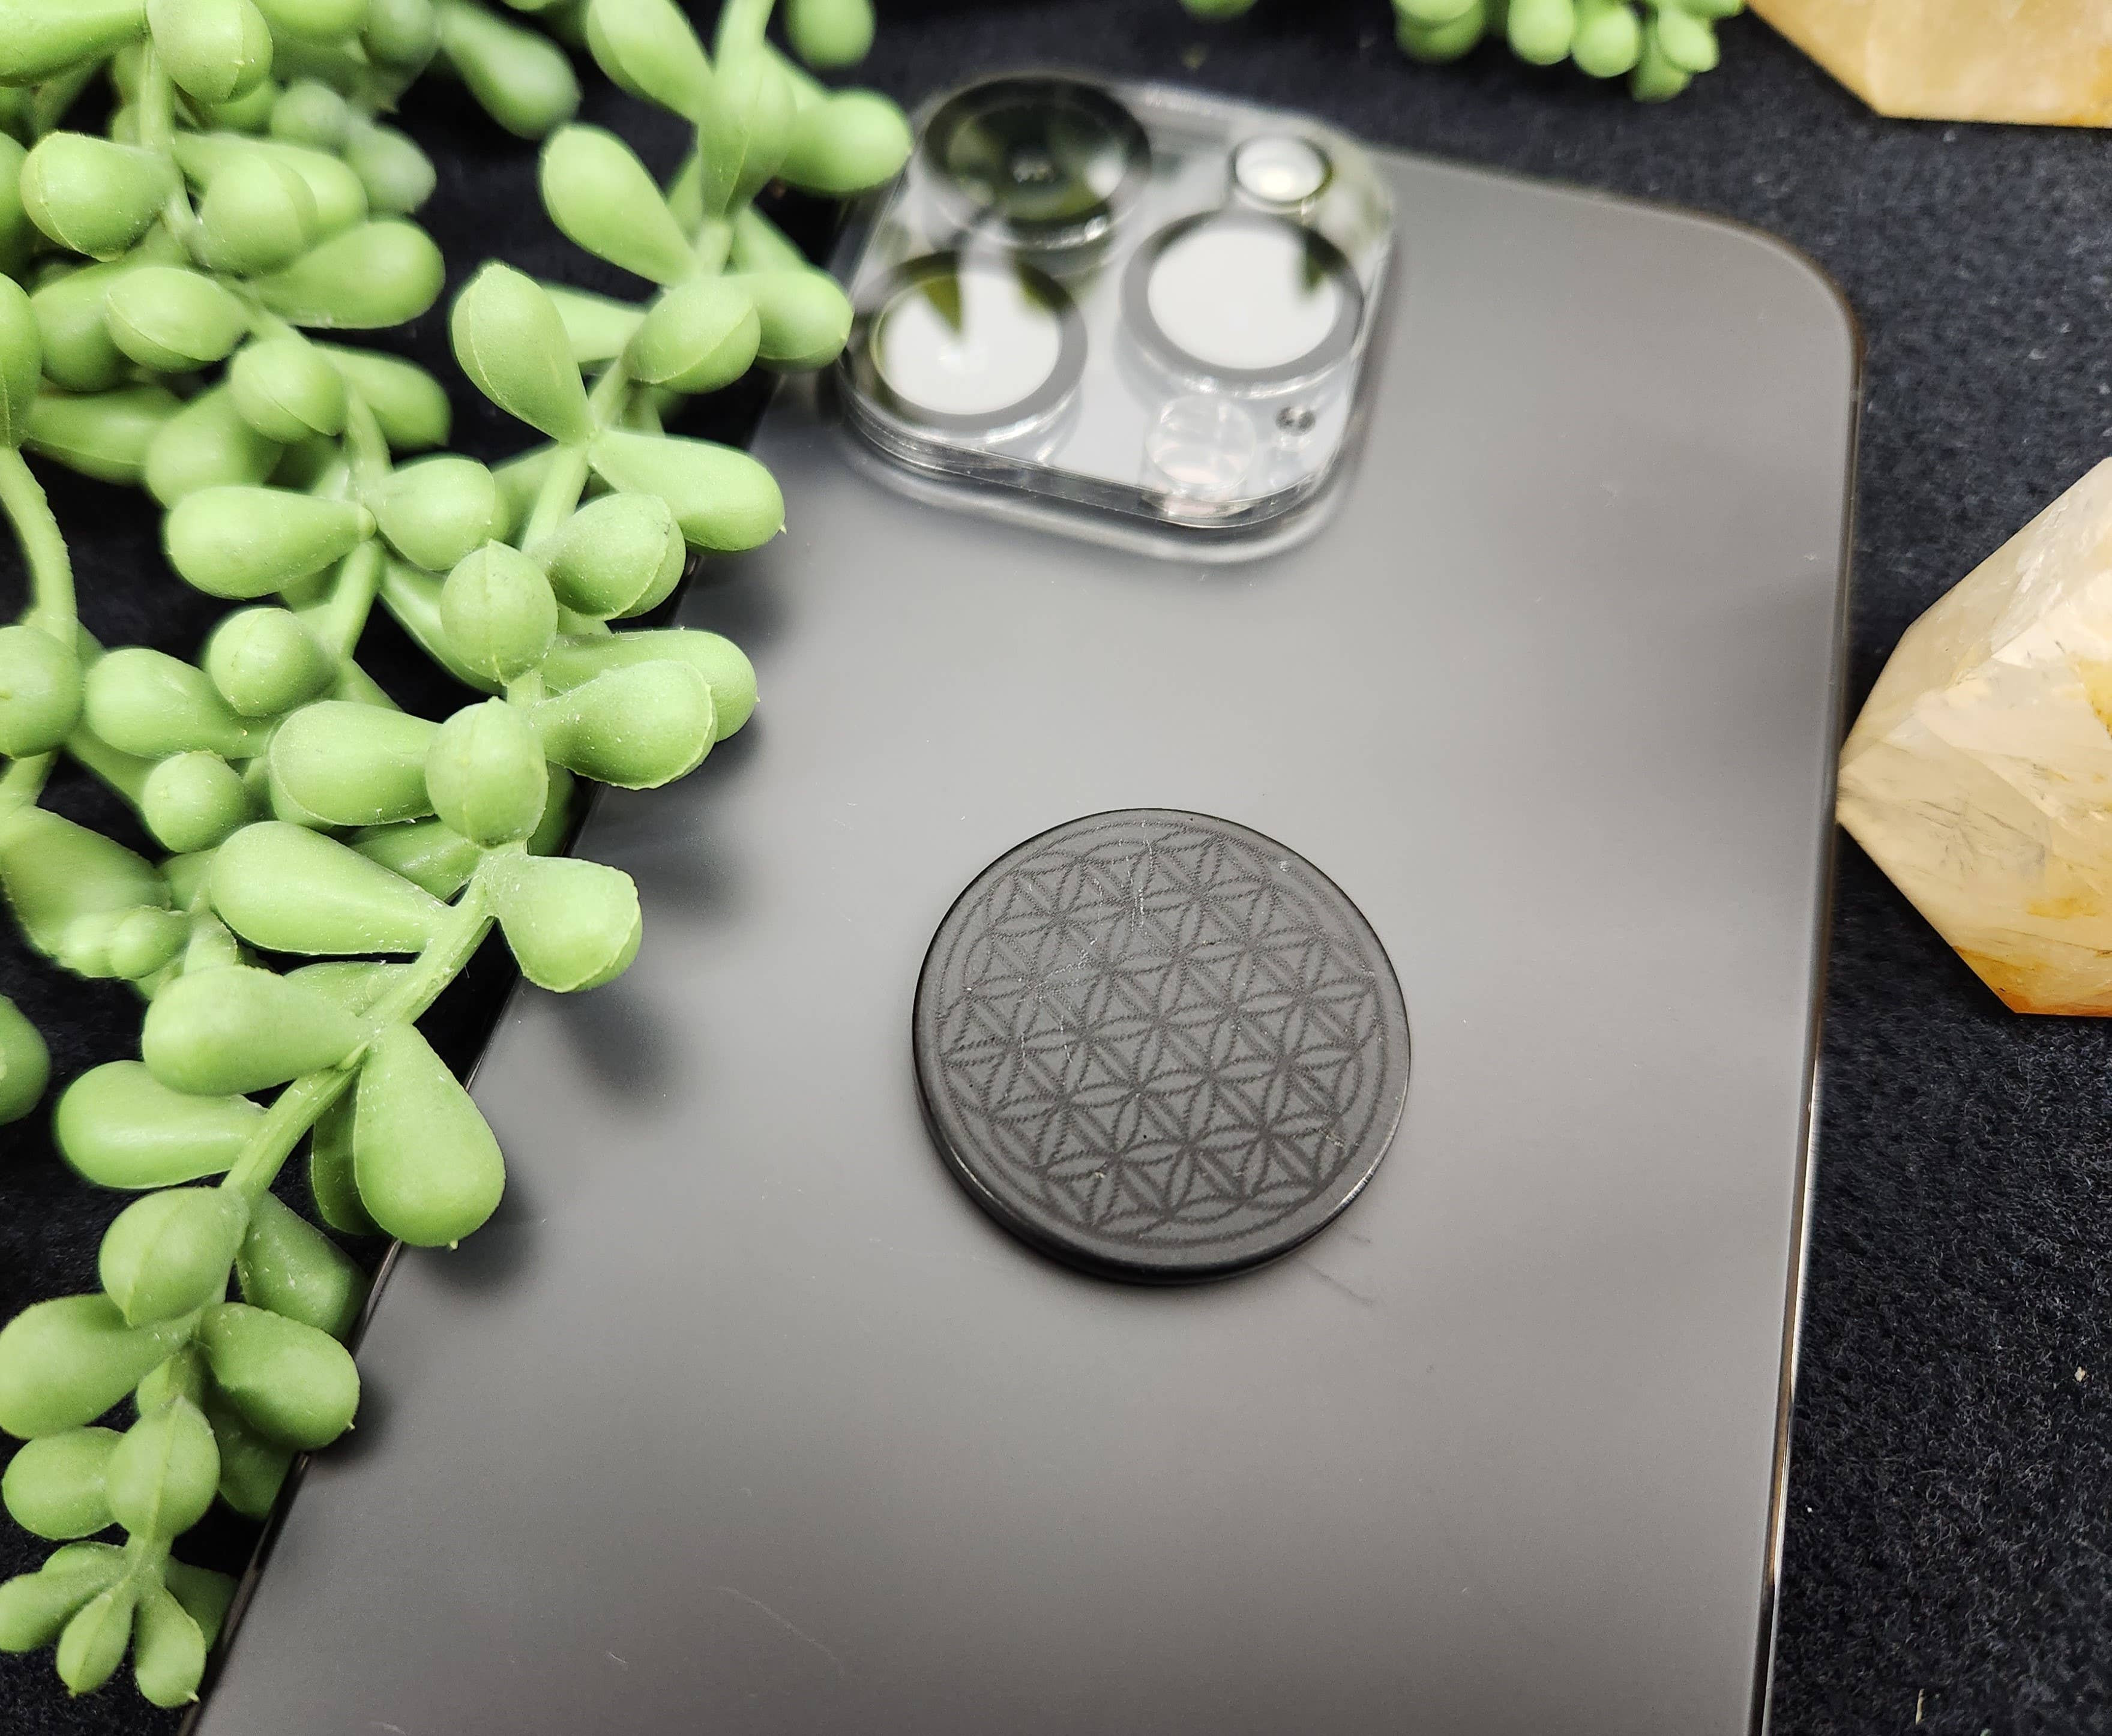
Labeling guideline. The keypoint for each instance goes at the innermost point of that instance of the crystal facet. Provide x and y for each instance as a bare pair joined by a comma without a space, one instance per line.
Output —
2044,60
1979,775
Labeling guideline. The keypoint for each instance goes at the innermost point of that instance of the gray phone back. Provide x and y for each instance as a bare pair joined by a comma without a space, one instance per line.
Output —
742,1418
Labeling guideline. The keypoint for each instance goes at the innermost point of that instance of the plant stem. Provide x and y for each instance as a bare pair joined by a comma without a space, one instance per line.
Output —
51,603
121,771
301,1102
156,109
606,399
713,245
295,1110
558,494
156,112
24,781
56,95
741,26
354,683
341,620
263,323
144,1558
567,478
43,547
366,446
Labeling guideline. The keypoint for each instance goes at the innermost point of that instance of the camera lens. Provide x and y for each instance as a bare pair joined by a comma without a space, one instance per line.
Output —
976,345
1051,161
1243,299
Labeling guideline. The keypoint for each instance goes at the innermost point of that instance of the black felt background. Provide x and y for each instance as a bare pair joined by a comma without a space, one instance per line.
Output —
1947,1555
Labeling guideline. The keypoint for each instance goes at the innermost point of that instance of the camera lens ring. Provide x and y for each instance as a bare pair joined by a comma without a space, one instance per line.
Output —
1145,326
967,127
869,376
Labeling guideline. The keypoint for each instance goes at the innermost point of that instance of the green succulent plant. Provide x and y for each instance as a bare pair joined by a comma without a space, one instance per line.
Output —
1657,45
163,322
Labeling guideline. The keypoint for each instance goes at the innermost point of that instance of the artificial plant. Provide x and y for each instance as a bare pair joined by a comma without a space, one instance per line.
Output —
330,861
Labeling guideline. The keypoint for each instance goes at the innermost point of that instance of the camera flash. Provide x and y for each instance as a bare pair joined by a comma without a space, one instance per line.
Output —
1279,171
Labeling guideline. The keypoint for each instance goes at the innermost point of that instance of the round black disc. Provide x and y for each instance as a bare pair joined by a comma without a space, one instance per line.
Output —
1160,1045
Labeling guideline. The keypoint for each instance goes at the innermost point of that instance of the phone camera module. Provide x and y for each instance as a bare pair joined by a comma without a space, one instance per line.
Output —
1134,311
983,345
1049,162
1278,171
1243,300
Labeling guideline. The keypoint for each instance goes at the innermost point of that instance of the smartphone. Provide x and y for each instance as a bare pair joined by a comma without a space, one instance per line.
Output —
1211,1133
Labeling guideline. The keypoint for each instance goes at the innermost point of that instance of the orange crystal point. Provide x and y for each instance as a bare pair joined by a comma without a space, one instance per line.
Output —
2048,62
1979,775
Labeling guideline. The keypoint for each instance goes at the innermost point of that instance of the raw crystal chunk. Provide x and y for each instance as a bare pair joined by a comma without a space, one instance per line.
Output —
2045,61
1979,775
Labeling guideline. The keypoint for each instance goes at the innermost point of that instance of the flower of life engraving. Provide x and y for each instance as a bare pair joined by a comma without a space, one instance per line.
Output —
1160,1045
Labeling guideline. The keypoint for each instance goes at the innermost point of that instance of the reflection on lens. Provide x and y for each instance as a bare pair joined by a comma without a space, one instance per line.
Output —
1242,298
1051,159
1281,171
973,345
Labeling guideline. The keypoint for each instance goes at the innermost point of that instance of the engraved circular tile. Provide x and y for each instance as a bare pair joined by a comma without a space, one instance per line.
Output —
1160,1045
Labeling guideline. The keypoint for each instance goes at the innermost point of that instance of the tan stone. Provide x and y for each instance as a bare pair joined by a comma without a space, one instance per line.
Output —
2048,62
1979,775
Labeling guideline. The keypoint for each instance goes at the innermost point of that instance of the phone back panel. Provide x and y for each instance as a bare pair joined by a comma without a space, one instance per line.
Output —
741,1417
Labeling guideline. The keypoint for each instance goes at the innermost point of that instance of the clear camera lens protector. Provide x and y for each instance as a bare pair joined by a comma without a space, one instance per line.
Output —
1129,304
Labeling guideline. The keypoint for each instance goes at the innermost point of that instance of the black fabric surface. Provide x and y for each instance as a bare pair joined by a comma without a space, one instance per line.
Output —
1946,1562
